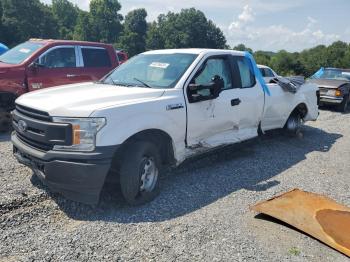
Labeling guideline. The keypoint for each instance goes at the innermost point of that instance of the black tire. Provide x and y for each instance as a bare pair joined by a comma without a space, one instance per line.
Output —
343,106
132,169
293,125
5,121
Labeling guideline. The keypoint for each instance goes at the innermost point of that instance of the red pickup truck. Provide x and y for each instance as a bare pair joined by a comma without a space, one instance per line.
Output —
38,64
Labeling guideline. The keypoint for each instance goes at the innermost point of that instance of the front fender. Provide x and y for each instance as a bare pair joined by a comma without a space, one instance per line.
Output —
124,122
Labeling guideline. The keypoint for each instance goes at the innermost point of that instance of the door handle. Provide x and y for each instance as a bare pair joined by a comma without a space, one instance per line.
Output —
70,76
235,102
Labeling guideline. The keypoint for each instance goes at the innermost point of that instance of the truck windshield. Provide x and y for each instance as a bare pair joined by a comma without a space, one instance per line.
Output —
151,70
20,53
332,74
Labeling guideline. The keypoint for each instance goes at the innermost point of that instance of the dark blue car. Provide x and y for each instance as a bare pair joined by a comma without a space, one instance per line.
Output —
3,48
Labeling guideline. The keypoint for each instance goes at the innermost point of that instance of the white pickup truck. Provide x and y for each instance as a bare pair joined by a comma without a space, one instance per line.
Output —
157,109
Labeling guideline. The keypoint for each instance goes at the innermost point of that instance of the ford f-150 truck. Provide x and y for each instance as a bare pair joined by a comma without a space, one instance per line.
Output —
38,64
157,109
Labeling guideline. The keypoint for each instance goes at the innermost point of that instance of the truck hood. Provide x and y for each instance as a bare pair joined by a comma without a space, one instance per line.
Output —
81,100
329,83
5,67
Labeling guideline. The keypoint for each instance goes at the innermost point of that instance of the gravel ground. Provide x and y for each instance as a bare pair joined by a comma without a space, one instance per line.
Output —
202,213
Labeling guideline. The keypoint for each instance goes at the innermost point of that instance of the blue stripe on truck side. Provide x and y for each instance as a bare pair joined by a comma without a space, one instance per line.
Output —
257,73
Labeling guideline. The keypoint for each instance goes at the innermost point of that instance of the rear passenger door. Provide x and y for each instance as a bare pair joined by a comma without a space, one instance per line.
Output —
95,62
251,95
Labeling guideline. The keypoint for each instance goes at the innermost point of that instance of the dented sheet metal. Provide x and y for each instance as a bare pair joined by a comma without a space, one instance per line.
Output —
316,215
289,84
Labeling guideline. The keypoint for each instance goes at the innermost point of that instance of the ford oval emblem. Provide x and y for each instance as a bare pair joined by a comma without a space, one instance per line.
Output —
22,126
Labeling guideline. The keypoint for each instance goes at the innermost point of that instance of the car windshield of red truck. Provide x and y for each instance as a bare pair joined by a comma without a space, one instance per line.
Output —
151,70
20,53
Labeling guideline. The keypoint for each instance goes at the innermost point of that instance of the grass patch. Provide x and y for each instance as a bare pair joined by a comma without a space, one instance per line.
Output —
294,251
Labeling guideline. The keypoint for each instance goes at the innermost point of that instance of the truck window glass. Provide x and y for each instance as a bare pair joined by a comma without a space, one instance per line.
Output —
156,70
62,57
20,53
213,67
263,72
246,72
269,72
95,57
120,57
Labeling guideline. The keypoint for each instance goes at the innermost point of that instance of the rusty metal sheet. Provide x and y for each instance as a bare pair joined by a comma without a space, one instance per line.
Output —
314,214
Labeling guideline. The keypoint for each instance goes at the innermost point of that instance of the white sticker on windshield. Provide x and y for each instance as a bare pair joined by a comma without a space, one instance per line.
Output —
159,65
24,50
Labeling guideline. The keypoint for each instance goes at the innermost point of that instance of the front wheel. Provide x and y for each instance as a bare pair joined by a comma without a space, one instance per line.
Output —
343,106
139,173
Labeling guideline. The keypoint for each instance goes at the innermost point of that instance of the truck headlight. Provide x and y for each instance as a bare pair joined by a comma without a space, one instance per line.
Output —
334,92
84,132
331,92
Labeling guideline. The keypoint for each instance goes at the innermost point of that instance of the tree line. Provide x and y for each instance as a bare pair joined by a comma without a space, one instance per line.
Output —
306,62
21,20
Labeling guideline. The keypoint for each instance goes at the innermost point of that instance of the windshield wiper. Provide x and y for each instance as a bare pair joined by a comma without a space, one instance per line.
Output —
143,83
116,83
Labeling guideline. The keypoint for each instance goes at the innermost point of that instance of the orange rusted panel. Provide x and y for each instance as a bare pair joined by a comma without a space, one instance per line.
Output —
316,215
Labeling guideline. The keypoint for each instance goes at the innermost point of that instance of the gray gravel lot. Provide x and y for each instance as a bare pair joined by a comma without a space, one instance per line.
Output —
202,213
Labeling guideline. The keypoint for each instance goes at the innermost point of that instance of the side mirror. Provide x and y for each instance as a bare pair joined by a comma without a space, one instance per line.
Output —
209,91
35,65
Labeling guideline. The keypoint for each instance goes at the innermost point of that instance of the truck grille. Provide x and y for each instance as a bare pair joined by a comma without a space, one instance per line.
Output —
32,143
33,113
36,129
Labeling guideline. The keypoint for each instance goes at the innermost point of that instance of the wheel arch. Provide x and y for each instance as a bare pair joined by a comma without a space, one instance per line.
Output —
301,109
7,100
158,137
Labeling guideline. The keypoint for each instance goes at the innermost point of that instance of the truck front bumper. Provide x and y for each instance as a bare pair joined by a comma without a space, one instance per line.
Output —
330,99
77,176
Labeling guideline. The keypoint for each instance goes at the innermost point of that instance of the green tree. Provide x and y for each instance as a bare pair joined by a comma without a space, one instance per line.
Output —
262,58
189,28
26,19
133,39
105,20
154,39
215,37
83,28
283,62
313,59
242,47
336,54
66,15
1,32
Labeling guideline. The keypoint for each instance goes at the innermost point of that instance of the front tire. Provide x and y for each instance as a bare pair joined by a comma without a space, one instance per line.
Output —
344,104
139,173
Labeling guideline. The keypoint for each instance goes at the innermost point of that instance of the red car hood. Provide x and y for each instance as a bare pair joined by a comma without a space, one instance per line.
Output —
4,67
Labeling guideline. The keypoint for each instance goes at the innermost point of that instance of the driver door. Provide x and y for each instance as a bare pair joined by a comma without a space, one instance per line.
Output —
213,122
58,66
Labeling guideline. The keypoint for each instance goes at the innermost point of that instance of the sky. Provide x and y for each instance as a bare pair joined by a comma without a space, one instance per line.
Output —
269,25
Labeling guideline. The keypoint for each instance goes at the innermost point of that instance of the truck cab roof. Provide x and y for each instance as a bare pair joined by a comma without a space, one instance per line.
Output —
195,51
66,42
